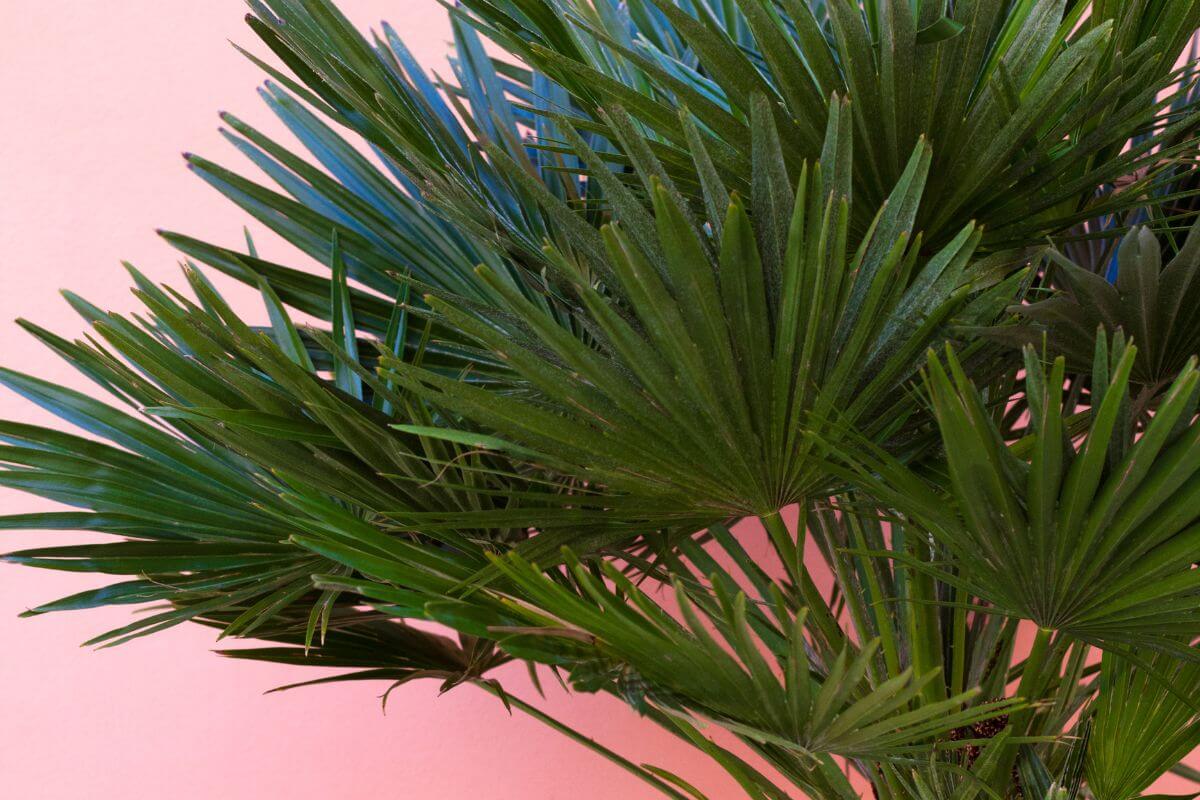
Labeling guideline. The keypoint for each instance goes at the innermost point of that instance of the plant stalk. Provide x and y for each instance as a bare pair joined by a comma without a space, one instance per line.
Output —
791,553
589,743
1028,689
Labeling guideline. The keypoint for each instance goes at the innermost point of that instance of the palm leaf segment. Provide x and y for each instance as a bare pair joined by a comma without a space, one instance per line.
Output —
712,355
1096,540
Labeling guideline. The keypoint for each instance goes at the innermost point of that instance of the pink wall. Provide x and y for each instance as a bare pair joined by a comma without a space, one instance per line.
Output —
99,100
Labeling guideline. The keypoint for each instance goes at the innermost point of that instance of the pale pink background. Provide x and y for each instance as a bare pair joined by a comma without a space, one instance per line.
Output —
98,101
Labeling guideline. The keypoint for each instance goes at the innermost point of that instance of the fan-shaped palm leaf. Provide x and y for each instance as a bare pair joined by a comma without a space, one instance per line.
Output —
707,364
1095,539
251,446
1144,723
1147,300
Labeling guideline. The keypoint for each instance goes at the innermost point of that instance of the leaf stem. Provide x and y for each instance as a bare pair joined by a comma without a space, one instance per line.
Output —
589,743
791,553
1030,685
880,611
1035,666
958,666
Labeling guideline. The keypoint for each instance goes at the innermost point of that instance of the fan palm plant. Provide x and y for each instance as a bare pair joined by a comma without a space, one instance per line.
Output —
639,271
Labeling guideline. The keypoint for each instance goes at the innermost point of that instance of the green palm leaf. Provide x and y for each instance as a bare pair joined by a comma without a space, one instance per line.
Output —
243,446
712,358
1094,539
1148,301
1144,723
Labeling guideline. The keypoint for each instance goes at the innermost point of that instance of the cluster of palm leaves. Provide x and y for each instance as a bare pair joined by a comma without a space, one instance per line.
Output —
922,276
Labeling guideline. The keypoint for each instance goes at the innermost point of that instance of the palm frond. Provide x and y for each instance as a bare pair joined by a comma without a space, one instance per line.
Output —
243,445
1146,300
1144,723
711,357
1095,539
1027,105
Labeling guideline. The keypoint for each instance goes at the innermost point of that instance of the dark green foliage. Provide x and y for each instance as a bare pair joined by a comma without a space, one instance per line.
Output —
1148,300
705,371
